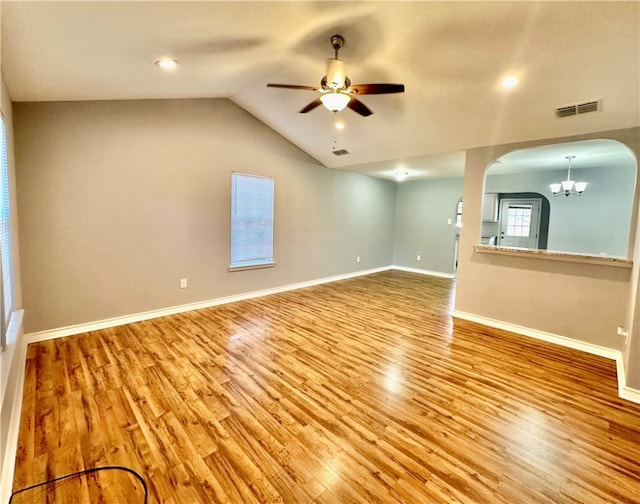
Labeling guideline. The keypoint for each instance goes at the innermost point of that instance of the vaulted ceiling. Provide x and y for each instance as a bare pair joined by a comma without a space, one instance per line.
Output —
451,57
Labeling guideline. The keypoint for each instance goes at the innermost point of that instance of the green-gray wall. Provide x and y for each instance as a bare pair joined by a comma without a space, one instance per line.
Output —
598,222
425,224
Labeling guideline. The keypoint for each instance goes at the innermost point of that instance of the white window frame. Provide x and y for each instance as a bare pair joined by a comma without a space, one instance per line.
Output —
6,253
263,257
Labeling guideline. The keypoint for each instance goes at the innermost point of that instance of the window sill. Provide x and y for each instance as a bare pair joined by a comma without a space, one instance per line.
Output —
252,266
619,262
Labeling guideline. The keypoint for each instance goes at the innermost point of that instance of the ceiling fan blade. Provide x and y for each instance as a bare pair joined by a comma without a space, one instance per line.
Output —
359,107
311,106
293,86
376,88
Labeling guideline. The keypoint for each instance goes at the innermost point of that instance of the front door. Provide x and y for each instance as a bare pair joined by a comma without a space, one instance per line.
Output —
519,223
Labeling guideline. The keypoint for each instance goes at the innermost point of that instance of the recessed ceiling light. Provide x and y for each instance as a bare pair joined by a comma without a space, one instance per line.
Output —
509,82
167,63
339,125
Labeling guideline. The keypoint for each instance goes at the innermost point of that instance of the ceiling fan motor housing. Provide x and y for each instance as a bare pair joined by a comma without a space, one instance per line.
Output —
336,73
337,41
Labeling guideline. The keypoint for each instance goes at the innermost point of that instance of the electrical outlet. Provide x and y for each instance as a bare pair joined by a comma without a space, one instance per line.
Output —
449,221
183,283
622,332
418,257
358,259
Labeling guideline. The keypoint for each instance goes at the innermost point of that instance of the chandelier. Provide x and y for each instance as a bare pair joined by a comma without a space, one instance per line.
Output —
568,186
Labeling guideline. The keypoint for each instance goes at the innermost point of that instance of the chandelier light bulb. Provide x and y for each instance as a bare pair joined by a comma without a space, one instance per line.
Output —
580,186
555,188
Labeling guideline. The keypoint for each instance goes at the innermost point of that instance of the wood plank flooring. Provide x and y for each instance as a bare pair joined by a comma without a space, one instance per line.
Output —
357,391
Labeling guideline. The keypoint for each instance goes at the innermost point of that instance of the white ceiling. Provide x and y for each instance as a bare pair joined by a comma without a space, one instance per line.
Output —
451,56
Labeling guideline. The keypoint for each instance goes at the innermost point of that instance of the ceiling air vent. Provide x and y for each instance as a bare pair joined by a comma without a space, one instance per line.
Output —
579,108
592,106
566,111
340,152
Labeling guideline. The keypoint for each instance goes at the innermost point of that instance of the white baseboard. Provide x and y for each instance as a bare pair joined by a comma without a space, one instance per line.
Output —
424,272
601,351
138,317
630,394
624,392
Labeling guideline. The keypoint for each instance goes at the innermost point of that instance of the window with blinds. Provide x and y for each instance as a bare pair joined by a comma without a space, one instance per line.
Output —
6,260
251,221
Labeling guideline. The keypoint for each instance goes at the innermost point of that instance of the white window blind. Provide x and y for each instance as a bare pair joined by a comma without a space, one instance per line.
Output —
5,233
519,220
251,221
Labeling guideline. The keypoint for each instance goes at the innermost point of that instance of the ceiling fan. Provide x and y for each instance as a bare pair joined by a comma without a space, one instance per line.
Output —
336,90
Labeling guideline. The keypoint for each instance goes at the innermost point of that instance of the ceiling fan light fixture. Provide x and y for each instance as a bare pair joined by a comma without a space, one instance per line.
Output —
335,101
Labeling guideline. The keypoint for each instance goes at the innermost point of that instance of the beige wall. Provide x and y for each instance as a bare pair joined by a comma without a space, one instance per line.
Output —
631,354
582,301
119,200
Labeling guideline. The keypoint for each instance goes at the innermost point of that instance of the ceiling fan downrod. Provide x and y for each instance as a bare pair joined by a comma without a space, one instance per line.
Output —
337,41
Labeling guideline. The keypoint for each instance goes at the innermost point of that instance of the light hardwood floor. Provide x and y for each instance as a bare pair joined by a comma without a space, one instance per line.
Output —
357,391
